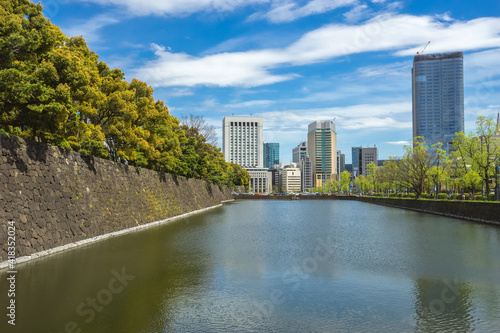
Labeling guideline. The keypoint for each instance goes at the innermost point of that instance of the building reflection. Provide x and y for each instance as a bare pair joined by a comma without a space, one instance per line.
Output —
443,305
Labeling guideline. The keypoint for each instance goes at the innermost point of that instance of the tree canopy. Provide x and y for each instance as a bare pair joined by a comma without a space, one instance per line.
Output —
54,89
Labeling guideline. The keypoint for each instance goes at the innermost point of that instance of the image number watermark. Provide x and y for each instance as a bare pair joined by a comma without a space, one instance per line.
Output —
11,273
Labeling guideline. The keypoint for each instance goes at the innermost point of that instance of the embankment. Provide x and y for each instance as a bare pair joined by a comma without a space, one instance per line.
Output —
57,197
478,211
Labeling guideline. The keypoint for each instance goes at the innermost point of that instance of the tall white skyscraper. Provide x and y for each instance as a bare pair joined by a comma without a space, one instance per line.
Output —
243,141
243,144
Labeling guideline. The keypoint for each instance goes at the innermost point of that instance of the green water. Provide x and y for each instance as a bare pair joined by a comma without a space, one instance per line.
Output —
272,266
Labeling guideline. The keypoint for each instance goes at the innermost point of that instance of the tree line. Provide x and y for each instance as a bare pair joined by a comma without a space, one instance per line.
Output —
427,171
53,89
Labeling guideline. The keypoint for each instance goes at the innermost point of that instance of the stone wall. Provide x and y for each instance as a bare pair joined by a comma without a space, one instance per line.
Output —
485,212
57,197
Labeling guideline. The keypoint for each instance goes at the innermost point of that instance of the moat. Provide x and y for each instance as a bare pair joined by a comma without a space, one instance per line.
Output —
273,266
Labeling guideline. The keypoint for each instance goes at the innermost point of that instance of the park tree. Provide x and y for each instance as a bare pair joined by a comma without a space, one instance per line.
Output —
439,171
479,151
345,179
412,170
373,173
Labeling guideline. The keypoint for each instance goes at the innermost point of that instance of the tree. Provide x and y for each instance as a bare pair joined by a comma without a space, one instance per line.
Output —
203,128
479,151
373,175
438,172
54,89
412,170
345,179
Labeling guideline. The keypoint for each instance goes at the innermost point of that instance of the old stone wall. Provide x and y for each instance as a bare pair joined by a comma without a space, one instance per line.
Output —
486,212
56,197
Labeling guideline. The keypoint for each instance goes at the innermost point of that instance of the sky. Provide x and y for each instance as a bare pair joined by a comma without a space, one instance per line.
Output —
293,62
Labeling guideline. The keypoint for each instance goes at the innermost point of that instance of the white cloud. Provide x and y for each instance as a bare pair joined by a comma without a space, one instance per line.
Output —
445,17
356,14
176,7
89,29
355,117
397,69
481,65
401,35
288,11
244,69
249,104
376,123
181,92
399,143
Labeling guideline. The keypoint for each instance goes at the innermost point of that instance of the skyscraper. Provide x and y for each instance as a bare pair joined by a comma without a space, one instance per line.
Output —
438,97
340,162
299,152
322,150
271,154
243,141
306,176
361,157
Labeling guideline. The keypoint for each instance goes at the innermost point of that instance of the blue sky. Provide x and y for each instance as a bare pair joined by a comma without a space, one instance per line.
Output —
293,61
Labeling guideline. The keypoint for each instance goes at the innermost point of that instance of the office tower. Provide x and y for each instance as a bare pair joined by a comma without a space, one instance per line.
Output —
361,157
438,97
306,175
340,162
271,154
322,150
243,141
299,152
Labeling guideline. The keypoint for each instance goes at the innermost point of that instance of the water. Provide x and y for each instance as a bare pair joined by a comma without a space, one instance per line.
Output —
272,266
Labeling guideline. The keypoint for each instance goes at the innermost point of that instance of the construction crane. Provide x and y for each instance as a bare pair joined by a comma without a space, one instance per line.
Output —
425,47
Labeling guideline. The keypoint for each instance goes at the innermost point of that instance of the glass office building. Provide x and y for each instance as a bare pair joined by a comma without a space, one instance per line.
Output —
322,149
271,154
438,97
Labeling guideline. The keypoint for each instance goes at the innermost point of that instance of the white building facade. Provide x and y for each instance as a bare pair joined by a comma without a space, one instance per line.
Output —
291,178
243,144
243,141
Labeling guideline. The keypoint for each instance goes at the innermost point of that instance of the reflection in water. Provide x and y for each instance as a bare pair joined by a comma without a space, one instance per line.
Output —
443,306
273,266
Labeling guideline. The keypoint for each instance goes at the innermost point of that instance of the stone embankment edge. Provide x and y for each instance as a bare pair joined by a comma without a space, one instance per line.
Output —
476,209
420,210
25,259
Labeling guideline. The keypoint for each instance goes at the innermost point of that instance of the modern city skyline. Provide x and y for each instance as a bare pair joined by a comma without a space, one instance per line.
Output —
278,59
438,97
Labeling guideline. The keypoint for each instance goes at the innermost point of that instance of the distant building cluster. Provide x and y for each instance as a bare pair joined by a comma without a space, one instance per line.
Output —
438,113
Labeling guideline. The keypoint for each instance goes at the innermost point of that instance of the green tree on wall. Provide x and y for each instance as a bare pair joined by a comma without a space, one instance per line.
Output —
54,89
